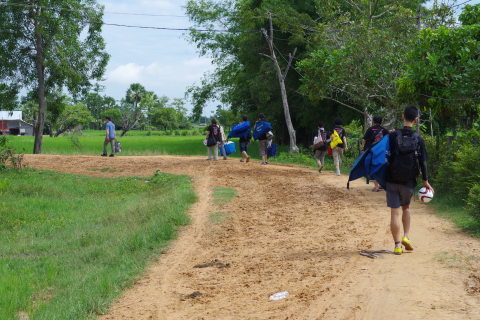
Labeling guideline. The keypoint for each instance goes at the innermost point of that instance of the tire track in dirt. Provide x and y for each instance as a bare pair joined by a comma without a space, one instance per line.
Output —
291,229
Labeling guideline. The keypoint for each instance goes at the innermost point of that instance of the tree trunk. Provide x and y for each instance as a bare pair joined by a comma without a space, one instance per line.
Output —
42,103
60,131
367,120
286,111
281,78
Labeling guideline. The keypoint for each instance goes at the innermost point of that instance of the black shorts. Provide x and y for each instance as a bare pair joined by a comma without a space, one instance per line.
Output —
243,146
398,195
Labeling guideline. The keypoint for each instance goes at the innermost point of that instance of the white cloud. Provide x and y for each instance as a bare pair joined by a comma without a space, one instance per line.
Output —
163,61
163,78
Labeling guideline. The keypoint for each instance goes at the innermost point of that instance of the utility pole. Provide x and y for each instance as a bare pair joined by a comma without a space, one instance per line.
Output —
281,79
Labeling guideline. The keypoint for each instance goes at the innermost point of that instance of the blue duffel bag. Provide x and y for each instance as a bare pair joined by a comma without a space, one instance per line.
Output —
229,148
272,150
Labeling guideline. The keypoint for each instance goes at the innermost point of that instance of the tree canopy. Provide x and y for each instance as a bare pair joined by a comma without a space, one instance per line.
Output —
51,45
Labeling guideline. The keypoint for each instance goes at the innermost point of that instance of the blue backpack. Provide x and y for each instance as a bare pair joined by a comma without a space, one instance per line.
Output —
240,130
262,127
372,164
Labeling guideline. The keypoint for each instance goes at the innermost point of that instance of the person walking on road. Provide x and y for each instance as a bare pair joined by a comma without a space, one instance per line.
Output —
263,127
320,143
406,159
244,142
213,138
338,150
222,142
109,136
372,136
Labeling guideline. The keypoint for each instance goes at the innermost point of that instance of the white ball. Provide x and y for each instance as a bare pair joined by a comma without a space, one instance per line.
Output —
425,195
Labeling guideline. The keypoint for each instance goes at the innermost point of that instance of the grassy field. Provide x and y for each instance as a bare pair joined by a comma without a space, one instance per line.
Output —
141,145
70,244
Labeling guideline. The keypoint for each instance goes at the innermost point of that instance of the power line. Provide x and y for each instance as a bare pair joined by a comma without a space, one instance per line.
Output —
168,28
460,4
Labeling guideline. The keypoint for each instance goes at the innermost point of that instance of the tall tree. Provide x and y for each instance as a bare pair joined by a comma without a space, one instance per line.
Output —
49,45
281,75
358,54
442,71
243,82
73,115
132,111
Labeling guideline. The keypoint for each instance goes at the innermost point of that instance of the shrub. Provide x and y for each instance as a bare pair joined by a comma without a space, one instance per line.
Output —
473,201
7,155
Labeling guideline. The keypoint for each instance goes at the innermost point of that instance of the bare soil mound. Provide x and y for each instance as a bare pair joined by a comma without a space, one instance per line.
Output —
291,229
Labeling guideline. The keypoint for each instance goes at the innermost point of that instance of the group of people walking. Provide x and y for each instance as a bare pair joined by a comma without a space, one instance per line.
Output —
215,138
406,159
322,143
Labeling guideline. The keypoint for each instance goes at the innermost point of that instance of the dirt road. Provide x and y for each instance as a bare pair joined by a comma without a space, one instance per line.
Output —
291,229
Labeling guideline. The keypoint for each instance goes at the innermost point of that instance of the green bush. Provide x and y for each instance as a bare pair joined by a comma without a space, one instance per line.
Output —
7,155
473,201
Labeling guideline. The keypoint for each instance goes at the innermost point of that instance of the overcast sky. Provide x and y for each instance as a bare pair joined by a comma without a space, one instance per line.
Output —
163,61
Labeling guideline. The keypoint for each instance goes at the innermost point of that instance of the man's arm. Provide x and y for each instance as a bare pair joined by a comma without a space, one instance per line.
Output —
422,160
107,135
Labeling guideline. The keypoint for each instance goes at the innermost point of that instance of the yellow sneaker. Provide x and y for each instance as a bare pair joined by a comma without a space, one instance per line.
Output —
406,242
398,251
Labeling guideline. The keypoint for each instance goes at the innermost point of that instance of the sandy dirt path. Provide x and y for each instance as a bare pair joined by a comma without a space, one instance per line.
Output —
291,229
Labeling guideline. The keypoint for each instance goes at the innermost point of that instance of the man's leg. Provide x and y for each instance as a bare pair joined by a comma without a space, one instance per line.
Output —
105,143
406,227
406,220
322,157
336,160
112,143
224,152
215,152
209,153
393,202
396,225
396,229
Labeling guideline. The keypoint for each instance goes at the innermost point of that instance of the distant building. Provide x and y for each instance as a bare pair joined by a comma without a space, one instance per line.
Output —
11,123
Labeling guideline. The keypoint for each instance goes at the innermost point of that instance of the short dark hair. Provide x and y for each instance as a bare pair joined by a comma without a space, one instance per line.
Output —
108,118
320,124
244,118
377,119
214,121
410,112
261,116
338,122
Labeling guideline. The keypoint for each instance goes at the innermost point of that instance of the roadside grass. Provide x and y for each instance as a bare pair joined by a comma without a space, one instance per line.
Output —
70,244
454,210
180,132
222,195
457,260
219,217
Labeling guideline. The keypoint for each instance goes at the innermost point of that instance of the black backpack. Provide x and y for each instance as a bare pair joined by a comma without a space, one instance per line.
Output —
404,165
